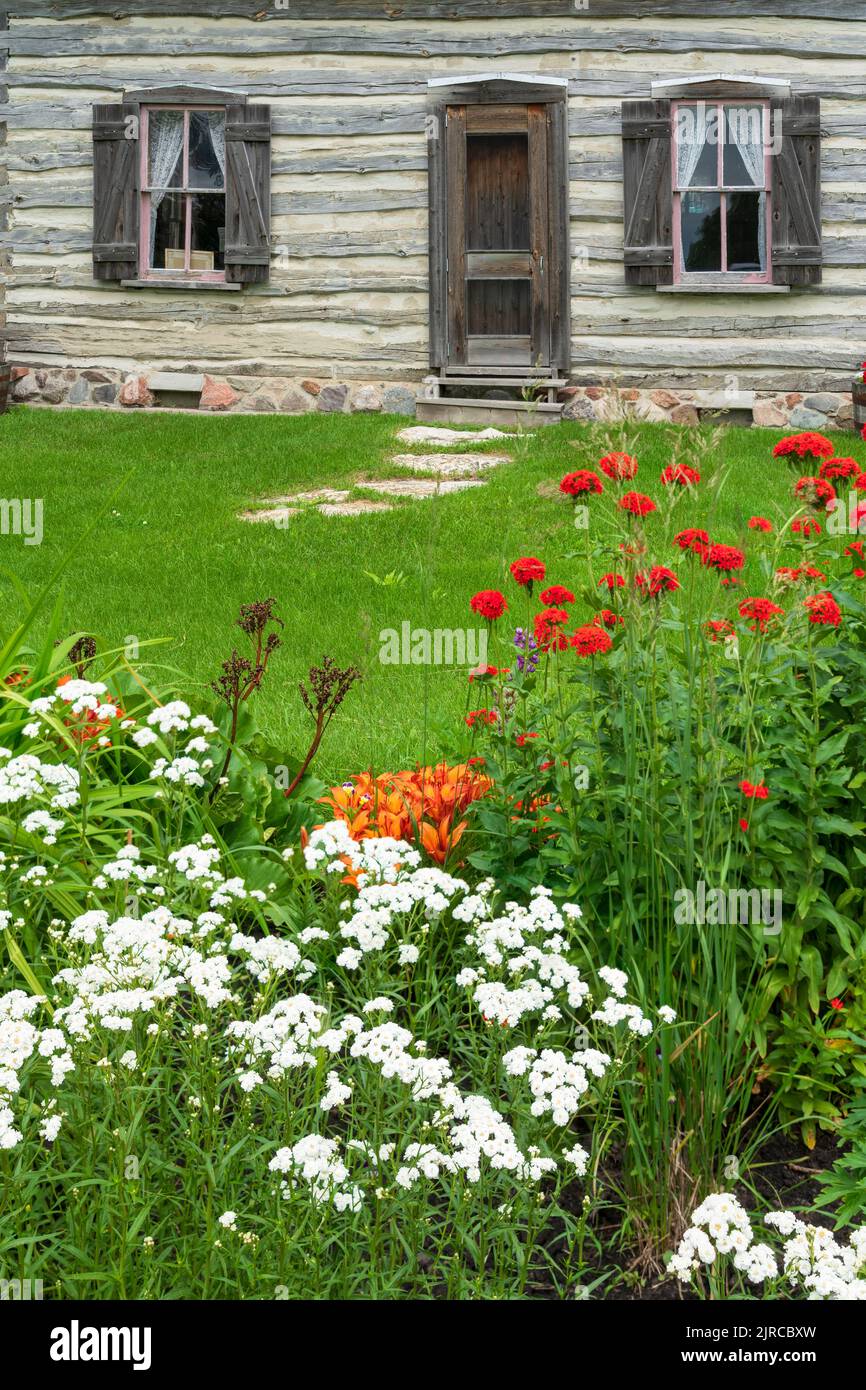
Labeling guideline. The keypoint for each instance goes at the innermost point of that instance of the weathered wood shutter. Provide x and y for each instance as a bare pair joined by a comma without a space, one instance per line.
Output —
248,193
115,191
560,237
455,236
796,215
648,192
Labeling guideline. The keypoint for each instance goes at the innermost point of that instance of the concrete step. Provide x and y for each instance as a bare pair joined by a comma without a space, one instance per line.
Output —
481,412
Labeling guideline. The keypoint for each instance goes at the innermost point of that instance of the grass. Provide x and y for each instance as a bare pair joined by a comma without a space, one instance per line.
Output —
169,558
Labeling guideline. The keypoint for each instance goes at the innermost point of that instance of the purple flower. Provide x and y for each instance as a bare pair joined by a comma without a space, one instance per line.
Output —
527,647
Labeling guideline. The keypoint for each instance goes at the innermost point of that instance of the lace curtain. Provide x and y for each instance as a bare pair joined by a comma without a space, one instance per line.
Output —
165,147
745,131
216,122
692,130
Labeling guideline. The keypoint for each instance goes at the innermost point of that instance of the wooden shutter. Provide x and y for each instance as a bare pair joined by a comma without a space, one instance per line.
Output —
796,215
248,193
647,192
115,192
455,244
560,239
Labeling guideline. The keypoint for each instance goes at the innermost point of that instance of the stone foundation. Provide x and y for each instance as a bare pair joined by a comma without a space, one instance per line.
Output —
106,388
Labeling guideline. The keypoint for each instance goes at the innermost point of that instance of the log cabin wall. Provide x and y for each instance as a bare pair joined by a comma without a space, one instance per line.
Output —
347,296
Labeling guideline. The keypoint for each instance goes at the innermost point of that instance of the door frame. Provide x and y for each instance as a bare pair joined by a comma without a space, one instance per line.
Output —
507,89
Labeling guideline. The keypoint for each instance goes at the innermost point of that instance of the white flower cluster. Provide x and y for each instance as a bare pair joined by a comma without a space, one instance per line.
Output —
556,1083
27,778
21,1041
316,1162
811,1257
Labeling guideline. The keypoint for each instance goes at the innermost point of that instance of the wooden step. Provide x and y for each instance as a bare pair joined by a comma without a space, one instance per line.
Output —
482,412
517,383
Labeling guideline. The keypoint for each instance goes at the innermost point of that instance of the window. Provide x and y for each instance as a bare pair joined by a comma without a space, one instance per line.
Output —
721,192
183,191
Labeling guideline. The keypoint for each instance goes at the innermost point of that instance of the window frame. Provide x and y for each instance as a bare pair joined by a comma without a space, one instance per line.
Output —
146,271
733,278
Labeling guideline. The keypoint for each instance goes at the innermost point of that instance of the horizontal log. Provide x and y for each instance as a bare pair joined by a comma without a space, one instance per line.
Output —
208,38
494,10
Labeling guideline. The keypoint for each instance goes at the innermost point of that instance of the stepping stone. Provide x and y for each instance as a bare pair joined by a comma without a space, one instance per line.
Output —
450,465
433,434
276,515
421,487
322,494
352,508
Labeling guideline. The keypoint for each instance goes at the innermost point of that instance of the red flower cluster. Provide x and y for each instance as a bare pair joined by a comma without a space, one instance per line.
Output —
762,610
815,492
607,618
753,790
590,640
804,527
803,445
613,581
660,579
547,626
680,473
481,716
620,467
693,540
724,558
636,503
823,610
786,575
527,570
839,468
718,628
488,603
759,523
556,594
581,484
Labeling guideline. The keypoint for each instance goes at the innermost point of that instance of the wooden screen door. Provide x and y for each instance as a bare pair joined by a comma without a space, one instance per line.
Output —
498,236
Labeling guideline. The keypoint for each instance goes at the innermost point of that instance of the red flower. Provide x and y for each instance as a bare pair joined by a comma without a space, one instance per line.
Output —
859,574
762,610
581,483
752,790
521,739
547,625
613,581
680,473
488,603
759,523
744,825
556,594
694,541
814,445
481,716
620,467
786,575
839,468
527,570
607,618
717,628
804,527
724,558
660,579
855,548
836,1004
823,610
636,503
815,492
484,672
590,640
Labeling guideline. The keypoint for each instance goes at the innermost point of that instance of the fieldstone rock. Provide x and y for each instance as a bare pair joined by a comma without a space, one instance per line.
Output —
277,515
648,410
767,416
440,434
26,388
217,395
579,409
293,403
793,398
106,394
803,419
79,392
630,393
684,415
595,393
845,412
312,388
366,398
666,399
134,392
18,372
260,403
421,487
332,398
95,375
399,400
449,465
823,403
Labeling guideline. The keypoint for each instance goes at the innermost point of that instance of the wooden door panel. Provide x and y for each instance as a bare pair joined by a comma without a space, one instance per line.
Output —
455,154
539,236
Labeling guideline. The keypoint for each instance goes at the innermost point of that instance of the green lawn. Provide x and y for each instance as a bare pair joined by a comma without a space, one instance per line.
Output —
168,557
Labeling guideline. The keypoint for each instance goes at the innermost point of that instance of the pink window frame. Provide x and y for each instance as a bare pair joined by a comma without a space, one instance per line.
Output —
146,271
732,277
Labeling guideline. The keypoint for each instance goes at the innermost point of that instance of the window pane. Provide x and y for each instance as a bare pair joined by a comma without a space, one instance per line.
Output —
697,140
207,149
167,231
701,223
743,160
165,149
208,231
746,231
